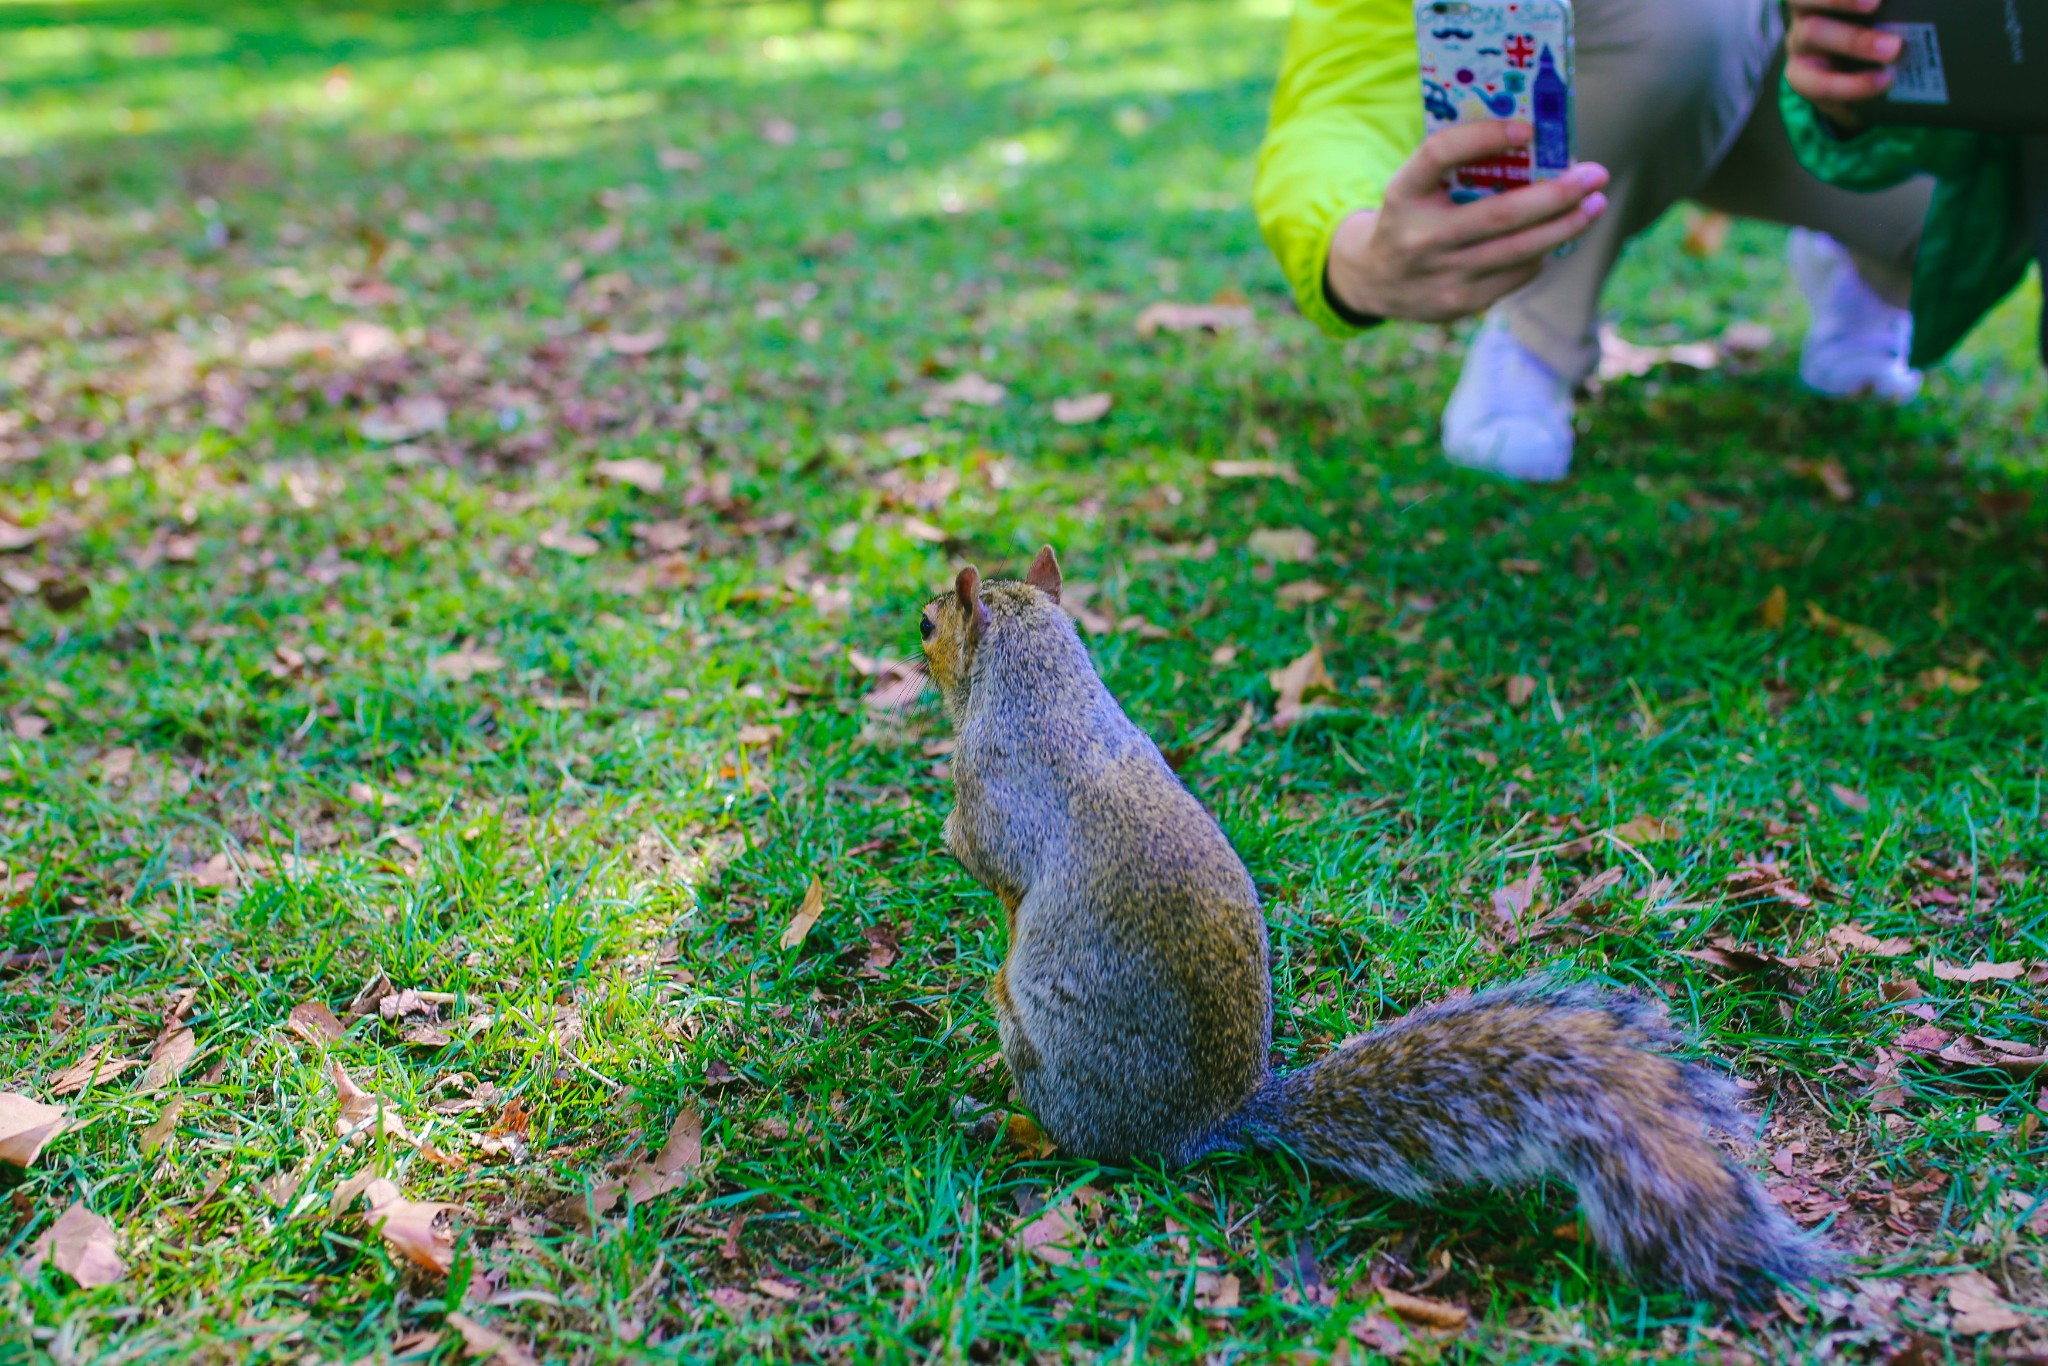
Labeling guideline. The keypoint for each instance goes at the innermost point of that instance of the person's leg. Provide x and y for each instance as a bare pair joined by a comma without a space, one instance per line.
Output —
1661,88
1761,178
1663,91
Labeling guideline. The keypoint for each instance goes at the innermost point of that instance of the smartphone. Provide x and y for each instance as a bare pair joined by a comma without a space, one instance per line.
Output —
1979,64
1499,59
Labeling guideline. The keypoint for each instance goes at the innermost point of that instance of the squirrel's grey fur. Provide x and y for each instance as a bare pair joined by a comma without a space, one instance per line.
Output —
1135,1003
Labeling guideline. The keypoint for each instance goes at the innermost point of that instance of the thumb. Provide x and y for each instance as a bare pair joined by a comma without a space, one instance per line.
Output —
1422,175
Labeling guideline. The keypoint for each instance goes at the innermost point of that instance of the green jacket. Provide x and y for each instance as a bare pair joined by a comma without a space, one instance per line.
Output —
1347,111
1976,243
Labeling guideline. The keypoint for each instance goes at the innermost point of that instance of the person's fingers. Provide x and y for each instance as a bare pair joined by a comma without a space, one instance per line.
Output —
1513,210
1422,174
1817,80
1532,244
1814,34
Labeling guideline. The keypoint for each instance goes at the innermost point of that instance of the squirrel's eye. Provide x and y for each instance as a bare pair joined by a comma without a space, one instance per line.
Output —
925,627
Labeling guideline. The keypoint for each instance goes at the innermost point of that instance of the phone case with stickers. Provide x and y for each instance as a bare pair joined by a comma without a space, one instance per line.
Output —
1499,59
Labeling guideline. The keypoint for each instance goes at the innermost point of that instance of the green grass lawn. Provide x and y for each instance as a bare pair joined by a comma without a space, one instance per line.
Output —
340,667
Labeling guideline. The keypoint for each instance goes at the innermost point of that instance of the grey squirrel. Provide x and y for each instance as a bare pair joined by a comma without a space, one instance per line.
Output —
1135,1004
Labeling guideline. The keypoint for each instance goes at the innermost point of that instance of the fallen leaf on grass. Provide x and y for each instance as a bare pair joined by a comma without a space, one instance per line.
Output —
171,1056
1378,1333
636,343
1649,830
1858,940
1287,544
1081,409
1023,1134
759,737
972,389
25,1126
417,1230
1232,740
365,1112
1217,1290
315,1023
1941,678
1975,972
1743,339
159,1132
81,1245
566,540
1771,612
13,537
1971,1051
645,475
1255,469
1052,1236
405,420
481,1340
1830,475
1870,642
1766,879
1177,317
675,1165
1305,677
1978,1306
1301,593
1623,359
95,1067
1850,797
799,927
465,662
1425,1311
1519,689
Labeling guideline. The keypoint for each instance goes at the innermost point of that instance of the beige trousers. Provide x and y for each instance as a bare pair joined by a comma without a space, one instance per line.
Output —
1678,100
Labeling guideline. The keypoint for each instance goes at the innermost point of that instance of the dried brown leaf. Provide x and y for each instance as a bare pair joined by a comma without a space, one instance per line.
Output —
675,1165
95,1068
1179,317
1856,939
1771,612
481,1340
1285,544
1849,797
464,663
172,1055
1232,740
1081,409
1426,1311
82,1245
799,927
159,1132
315,1023
636,472
1305,677
1979,1306
25,1126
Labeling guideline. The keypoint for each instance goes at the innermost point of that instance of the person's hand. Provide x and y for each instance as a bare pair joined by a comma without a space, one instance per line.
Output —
1834,63
1421,257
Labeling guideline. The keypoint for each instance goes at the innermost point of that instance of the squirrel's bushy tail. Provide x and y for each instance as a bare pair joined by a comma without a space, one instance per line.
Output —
1543,1078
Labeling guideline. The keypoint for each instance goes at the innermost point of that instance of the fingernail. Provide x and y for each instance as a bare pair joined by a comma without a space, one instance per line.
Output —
1888,45
1519,131
1594,204
1590,174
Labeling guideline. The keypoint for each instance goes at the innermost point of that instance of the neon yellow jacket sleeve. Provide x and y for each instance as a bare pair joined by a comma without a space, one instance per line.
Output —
1346,113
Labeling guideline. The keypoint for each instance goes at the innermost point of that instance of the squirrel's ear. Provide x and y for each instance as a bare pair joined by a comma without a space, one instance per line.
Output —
1044,573
967,592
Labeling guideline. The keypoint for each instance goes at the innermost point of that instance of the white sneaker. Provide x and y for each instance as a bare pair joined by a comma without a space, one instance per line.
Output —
1510,413
1858,343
